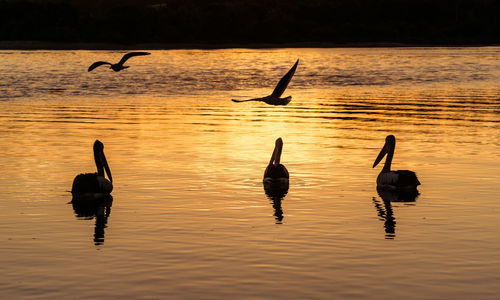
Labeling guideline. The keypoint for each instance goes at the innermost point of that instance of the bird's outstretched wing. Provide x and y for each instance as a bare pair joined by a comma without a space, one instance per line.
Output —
131,54
255,99
281,87
97,64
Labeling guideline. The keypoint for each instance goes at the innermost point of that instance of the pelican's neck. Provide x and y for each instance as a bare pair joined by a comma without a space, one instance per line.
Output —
388,159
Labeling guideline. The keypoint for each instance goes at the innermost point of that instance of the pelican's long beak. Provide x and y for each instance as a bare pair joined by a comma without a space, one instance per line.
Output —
277,151
106,166
381,155
100,160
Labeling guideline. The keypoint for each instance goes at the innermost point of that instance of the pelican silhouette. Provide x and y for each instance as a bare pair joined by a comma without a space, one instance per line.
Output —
276,173
393,180
119,66
274,98
95,183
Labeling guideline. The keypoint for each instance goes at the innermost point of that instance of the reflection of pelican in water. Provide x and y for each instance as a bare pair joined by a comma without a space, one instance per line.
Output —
276,180
274,98
385,212
94,184
118,66
88,207
276,192
398,196
393,180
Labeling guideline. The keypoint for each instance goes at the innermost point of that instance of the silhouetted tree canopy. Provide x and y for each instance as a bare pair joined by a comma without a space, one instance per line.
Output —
257,21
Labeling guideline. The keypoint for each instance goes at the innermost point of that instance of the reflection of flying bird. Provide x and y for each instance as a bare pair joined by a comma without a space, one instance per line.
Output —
274,98
119,66
95,183
276,172
393,180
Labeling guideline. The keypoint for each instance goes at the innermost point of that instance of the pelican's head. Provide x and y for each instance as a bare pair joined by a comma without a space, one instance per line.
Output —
100,160
390,143
277,151
390,140
279,142
98,146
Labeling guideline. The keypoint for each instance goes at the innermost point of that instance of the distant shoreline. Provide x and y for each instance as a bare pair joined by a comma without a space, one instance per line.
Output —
43,45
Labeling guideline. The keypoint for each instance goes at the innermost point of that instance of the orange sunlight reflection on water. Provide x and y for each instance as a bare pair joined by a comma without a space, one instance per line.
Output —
190,217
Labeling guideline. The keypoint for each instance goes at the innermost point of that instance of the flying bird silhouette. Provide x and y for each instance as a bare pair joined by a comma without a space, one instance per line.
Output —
274,98
95,183
118,66
393,180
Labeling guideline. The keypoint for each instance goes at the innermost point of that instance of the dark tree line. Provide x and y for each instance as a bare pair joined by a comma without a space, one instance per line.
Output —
257,21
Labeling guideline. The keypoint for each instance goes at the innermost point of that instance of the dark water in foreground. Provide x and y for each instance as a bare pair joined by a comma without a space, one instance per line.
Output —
190,218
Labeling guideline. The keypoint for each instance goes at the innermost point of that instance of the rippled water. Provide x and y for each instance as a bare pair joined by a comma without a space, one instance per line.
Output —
190,218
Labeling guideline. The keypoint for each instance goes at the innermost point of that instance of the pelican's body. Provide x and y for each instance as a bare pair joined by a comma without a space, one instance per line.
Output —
118,66
274,98
275,172
95,183
394,180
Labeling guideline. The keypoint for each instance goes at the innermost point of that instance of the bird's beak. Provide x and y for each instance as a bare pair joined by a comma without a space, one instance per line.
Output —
105,164
381,155
277,151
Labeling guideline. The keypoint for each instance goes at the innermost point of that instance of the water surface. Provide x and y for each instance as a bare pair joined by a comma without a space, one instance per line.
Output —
189,217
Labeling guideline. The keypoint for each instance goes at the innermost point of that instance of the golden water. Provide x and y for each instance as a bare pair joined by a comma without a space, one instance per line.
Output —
190,218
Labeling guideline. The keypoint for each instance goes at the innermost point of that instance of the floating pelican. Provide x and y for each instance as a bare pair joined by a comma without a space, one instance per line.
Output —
274,98
119,66
276,181
95,183
276,173
393,180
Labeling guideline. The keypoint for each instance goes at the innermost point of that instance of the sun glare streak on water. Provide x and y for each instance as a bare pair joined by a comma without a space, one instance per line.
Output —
190,218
